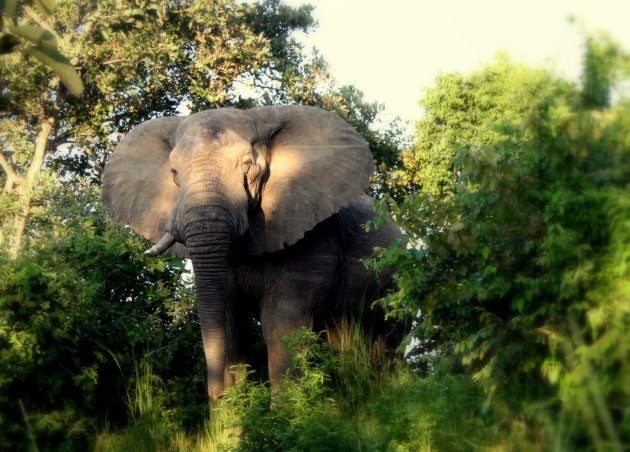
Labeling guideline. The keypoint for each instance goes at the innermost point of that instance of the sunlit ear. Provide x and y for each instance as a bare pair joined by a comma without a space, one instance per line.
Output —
317,164
138,184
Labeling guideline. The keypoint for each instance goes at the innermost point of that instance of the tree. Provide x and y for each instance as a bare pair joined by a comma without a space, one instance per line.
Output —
140,60
45,48
604,65
183,53
515,188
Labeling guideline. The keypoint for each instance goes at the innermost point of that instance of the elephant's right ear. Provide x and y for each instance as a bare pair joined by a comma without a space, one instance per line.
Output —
138,185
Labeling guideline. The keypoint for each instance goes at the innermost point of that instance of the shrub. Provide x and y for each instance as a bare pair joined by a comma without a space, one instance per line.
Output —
518,246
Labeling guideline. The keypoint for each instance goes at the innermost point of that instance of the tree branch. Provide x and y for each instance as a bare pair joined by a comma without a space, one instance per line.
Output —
6,166
19,223
40,149
35,17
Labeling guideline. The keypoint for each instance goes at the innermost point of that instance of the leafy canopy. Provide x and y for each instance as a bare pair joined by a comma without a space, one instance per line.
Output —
514,200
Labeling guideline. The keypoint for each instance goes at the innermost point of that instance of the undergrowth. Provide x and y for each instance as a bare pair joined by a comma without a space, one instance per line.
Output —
335,400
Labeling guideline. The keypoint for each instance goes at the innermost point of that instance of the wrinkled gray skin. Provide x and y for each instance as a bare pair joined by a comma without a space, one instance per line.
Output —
268,204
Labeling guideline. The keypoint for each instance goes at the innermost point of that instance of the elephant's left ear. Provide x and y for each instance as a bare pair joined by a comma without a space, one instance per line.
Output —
317,164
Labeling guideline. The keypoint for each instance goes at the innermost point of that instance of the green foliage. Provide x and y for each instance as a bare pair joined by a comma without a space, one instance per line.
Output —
299,416
604,63
517,243
74,312
45,48
397,411
278,21
138,60
144,59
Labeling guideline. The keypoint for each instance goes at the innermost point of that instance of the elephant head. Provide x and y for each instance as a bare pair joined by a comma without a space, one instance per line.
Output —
267,175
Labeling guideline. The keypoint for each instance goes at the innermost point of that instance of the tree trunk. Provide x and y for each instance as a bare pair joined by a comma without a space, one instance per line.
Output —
25,186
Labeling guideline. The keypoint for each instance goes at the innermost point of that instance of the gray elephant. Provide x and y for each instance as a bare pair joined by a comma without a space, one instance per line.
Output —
268,203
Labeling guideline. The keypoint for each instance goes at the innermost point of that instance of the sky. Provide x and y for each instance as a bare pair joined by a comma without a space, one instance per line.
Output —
393,49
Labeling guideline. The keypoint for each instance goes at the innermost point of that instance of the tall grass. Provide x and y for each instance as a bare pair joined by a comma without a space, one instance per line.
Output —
334,401
152,427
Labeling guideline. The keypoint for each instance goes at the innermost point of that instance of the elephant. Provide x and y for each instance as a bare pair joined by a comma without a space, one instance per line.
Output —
268,203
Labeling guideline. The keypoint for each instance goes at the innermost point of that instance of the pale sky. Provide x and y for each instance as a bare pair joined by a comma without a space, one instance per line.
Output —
392,49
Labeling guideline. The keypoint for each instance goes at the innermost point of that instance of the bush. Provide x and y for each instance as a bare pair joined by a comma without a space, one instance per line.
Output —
337,401
77,309
311,412
516,213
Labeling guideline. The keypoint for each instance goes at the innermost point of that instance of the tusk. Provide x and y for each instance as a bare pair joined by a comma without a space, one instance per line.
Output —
162,245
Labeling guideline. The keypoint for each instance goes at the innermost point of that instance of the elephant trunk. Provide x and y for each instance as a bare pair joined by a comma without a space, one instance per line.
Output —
209,251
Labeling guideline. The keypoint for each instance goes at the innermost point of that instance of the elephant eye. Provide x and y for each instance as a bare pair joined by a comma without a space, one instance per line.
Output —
246,164
174,173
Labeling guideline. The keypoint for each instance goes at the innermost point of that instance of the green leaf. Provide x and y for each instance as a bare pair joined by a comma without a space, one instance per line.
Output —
485,252
62,67
519,304
37,36
8,7
47,6
138,12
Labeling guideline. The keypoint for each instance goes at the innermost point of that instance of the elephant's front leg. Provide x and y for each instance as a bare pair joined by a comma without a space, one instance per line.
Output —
240,314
